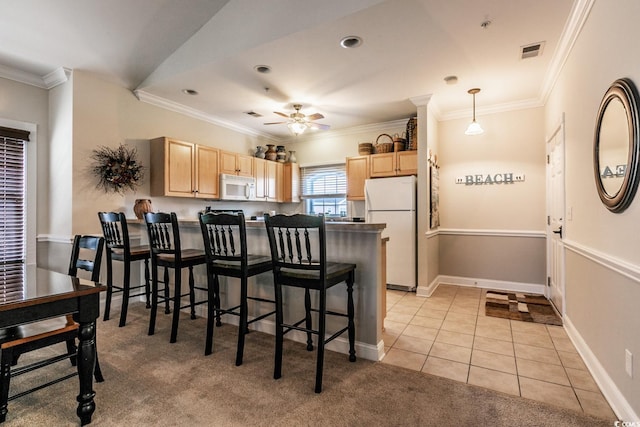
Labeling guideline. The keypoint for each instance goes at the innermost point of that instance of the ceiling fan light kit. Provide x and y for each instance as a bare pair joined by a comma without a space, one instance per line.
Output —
299,122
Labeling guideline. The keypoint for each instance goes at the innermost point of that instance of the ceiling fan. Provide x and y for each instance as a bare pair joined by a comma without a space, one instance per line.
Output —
299,122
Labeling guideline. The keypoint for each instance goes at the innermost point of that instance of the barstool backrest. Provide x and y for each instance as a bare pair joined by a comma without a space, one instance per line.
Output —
163,233
297,242
115,231
225,236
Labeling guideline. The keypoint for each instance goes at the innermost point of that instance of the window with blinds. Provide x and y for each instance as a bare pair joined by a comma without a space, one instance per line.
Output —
12,213
324,190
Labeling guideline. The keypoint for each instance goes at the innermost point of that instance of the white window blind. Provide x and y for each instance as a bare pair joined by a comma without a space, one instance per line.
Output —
324,189
12,213
324,181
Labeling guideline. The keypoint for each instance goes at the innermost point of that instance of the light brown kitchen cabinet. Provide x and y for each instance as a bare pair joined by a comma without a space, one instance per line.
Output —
274,182
357,173
393,164
236,164
260,174
183,169
291,183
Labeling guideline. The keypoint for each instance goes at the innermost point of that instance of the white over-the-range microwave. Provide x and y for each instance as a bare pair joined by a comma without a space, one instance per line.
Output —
233,187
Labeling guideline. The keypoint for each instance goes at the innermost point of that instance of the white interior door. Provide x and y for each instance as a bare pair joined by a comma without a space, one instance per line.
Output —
556,218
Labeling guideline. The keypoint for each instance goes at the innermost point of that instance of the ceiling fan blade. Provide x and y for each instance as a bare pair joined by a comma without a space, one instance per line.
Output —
281,114
275,123
316,116
319,126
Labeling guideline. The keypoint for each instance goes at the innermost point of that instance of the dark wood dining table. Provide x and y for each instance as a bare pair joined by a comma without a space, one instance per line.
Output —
49,294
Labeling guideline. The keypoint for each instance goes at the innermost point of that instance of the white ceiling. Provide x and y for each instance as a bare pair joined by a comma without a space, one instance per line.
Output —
160,47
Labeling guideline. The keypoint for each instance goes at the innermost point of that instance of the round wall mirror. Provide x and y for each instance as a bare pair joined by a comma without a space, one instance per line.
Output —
616,146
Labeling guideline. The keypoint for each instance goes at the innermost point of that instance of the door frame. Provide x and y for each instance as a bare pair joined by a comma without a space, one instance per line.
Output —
558,131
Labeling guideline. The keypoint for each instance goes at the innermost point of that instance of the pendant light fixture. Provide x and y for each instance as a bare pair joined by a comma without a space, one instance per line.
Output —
474,127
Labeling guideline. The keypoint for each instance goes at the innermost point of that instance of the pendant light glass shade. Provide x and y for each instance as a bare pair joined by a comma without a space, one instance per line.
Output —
474,127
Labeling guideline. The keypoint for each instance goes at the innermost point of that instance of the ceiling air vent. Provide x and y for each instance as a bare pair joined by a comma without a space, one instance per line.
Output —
253,114
531,50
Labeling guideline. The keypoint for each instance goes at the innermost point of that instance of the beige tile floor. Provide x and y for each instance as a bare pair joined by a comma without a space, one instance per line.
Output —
449,335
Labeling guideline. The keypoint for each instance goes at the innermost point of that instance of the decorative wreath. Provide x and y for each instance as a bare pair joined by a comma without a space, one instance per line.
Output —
117,169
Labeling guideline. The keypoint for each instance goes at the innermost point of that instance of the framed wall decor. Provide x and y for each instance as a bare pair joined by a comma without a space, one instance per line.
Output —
434,190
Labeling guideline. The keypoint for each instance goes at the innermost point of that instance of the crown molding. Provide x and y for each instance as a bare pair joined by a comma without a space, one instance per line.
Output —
197,114
572,29
492,109
57,77
373,127
49,81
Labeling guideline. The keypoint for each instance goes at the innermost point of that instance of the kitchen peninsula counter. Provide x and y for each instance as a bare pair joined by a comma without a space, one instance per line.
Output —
353,242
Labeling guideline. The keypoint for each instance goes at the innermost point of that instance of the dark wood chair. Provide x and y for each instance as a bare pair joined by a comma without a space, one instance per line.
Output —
298,253
167,252
23,339
116,237
225,244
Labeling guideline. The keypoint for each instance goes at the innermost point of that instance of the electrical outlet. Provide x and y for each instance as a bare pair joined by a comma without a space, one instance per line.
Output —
628,363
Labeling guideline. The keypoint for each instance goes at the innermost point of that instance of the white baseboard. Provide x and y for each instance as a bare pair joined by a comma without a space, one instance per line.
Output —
614,396
499,285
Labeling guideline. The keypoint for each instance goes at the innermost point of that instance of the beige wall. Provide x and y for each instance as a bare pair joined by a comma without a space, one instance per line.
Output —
602,257
512,142
481,225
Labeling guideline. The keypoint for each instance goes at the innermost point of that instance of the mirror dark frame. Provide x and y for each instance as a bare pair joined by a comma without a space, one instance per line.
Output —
625,91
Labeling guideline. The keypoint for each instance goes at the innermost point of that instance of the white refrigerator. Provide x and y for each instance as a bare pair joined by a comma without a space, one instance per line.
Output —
393,201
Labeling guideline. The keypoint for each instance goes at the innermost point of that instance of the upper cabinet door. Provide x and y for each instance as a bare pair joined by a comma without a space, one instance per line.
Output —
236,164
383,164
407,162
171,168
183,169
357,173
228,163
207,181
244,165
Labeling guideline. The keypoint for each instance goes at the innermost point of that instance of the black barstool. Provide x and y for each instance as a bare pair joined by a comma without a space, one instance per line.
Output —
225,243
299,257
116,236
166,251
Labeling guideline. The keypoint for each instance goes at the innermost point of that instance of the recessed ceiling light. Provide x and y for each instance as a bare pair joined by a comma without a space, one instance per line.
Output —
451,80
190,91
350,42
264,69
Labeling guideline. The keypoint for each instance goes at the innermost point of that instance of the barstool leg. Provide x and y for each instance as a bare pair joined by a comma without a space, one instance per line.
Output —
176,304
216,300
126,291
147,290
351,315
242,329
322,313
167,310
107,303
211,309
154,299
308,324
277,370
192,293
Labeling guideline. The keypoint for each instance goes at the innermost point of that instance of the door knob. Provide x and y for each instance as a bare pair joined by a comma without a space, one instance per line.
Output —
558,231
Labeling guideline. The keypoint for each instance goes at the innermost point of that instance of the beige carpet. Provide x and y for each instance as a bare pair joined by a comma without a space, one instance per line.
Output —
150,382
